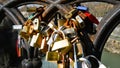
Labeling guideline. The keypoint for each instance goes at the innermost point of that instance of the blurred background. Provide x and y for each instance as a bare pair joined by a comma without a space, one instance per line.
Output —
98,9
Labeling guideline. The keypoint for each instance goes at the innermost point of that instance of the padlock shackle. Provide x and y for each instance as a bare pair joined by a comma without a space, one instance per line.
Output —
60,33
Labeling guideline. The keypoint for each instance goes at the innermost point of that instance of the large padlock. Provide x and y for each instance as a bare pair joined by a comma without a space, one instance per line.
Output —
60,44
52,56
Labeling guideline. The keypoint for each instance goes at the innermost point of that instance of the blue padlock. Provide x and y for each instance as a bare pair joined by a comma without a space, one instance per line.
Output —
82,8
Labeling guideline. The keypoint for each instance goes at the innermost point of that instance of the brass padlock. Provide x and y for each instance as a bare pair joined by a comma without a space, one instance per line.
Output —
61,44
44,46
66,49
61,22
79,48
71,13
27,29
23,33
36,40
52,56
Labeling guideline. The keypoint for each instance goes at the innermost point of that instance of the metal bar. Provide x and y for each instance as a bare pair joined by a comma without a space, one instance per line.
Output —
10,15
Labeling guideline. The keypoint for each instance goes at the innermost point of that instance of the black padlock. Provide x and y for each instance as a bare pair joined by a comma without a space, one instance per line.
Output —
27,63
37,63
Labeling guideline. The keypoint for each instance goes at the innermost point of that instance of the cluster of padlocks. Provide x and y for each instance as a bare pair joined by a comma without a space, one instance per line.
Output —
58,38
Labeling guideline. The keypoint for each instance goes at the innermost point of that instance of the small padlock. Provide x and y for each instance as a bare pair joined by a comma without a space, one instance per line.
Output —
24,34
27,63
79,48
70,32
44,46
52,26
36,24
61,22
43,43
27,29
71,13
36,40
80,21
39,41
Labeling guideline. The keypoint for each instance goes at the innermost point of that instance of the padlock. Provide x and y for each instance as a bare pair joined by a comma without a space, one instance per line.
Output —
36,40
39,41
27,29
52,26
36,24
61,22
27,63
37,63
66,49
82,8
23,33
70,32
44,46
80,21
79,48
59,44
91,17
52,56
71,14
43,43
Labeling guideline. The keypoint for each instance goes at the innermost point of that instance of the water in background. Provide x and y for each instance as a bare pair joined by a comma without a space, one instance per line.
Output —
111,60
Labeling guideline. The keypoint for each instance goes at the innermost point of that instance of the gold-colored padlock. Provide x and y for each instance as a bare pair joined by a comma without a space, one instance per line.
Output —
66,49
23,33
61,22
70,14
60,44
44,46
27,29
36,40
79,48
52,56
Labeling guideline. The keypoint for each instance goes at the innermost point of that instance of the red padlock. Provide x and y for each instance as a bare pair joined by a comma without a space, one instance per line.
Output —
91,17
